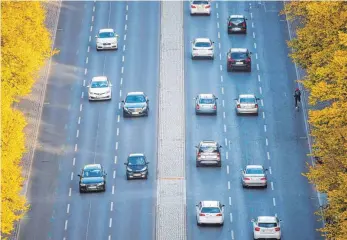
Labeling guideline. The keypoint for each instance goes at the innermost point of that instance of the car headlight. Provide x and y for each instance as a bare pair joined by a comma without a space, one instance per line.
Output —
126,109
100,184
114,42
143,169
144,107
129,169
82,184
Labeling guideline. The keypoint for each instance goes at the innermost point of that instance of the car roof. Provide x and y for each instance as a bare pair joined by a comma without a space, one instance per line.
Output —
236,16
136,155
267,219
246,96
135,93
208,142
106,30
202,40
238,49
92,166
253,166
210,203
206,95
99,78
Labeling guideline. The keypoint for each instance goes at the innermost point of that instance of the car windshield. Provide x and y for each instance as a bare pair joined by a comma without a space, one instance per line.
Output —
200,2
106,35
208,148
135,99
202,44
238,55
210,210
99,84
254,171
237,20
206,101
92,173
246,100
136,161
267,225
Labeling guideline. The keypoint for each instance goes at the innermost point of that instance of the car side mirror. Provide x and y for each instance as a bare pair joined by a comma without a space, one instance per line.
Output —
252,220
110,85
235,99
223,205
257,99
88,86
122,101
266,169
196,146
117,35
105,174
216,98
250,53
246,18
125,164
147,162
212,42
96,36
79,175
220,146
196,205
147,100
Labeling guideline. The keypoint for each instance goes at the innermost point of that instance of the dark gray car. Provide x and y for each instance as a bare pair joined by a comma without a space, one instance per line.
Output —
92,178
135,104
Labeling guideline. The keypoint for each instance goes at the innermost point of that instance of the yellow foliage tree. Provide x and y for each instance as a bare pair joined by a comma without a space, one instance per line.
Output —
25,45
321,49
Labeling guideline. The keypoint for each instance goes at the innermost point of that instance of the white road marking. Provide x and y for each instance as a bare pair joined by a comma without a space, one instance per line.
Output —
221,78
110,223
117,131
91,28
116,145
115,159
123,48
261,92
252,25
219,45
114,174
123,58
85,71
225,128
68,208
65,227
262,102
113,189
229,185
216,5
121,81
258,78
256,55
127,7
226,141
220,67
126,17
220,56
69,192
118,118
268,155
109,237
71,176
266,142
120,93
92,18
274,201
255,45
227,155
218,34
77,133
125,27
222,90
84,82
217,24
76,147
223,114
231,217
73,161
257,66
122,70
125,37
230,201
111,208
232,234
94,9
264,115
217,15
272,186
119,105
251,13
82,95
90,38
264,125
227,169
81,107
79,120
275,214
270,170
223,102
253,35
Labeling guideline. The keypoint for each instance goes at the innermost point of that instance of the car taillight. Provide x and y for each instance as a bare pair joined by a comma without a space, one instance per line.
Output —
192,6
277,229
197,106
248,60
256,105
244,24
231,60
218,155
214,107
263,178
257,229
219,214
199,155
238,106
201,214
246,178
207,6
230,24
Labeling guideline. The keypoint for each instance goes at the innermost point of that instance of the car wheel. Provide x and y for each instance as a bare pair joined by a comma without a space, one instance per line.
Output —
212,57
125,115
249,69
104,189
81,191
197,164
221,224
97,49
257,114
128,177
244,186
229,69
219,164
196,113
146,177
265,186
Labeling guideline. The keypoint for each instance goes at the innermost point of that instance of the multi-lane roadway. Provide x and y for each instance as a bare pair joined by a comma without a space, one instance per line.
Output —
75,132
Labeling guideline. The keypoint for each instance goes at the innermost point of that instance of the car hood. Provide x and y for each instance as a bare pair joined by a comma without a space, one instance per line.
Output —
135,105
92,180
99,90
106,40
136,167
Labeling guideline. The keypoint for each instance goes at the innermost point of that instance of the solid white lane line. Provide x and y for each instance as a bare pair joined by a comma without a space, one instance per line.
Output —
69,192
225,141
118,118
116,145
223,114
221,78
232,234
65,227
117,131
121,81
84,82
261,92
227,169
123,47
110,223
223,102
229,185
274,201
268,155
253,35
115,159
123,58
220,67
264,116
225,128
91,28
73,161
217,24
270,170
227,155
252,25
231,217
125,27
79,120
71,178
218,34
114,174
85,71
272,186
90,38
120,93
264,127
94,9
256,55
262,102
81,107
68,208
258,78
266,142
111,208
77,133
76,147
93,18
257,66
113,189
125,37
82,95
122,70
230,201
222,90
255,45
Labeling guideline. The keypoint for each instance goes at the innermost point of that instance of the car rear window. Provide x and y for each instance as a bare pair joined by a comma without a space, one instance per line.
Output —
202,44
204,148
254,171
246,100
210,210
237,20
267,225
106,35
99,84
135,99
238,55
206,101
200,2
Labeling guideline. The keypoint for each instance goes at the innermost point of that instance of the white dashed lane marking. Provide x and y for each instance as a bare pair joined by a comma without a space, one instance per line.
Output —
115,159
274,201
123,58
264,116
117,131
256,55
230,201
223,114
77,133
225,128
92,18
229,185
84,82
68,208
253,35
257,66
255,45
90,38
65,227
217,24
116,145
120,93
71,178
270,170
272,186
225,141
81,108
70,192
227,155
222,90
79,120
221,78
231,217
118,118
91,28
223,102
125,27
76,147
261,92
252,25
122,70
93,9
218,34
121,81
126,17
123,48
85,71
111,207
221,67
268,155
73,161
110,223
266,142
112,189
232,234
227,169
258,78
82,94
125,37
114,174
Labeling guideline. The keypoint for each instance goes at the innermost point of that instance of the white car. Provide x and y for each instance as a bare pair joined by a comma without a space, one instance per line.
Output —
202,47
254,176
266,227
200,7
247,104
100,88
106,39
210,212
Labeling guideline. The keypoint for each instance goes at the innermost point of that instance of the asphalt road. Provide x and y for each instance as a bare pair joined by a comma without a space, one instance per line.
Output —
275,138
75,132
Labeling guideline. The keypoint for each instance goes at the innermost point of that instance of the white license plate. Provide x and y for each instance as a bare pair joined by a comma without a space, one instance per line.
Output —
92,187
239,63
237,29
135,113
137,175
209,161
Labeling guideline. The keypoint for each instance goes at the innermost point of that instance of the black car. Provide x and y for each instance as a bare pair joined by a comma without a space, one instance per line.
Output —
135,104
208,153
237,24
136,166
239,59
92,178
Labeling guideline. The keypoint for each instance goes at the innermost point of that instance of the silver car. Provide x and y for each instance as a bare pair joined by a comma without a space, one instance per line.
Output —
247,104
106,39
254,176
202,48
100,88
206,104
208,153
